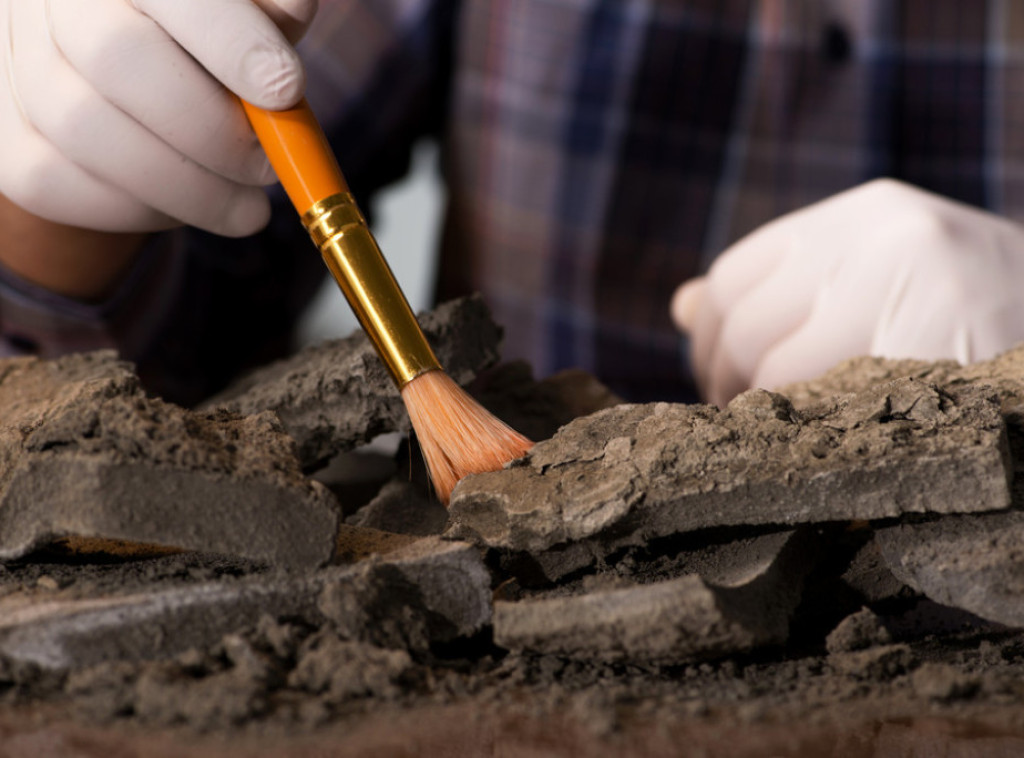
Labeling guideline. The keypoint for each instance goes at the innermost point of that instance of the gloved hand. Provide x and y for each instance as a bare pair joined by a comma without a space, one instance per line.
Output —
116,114
884,269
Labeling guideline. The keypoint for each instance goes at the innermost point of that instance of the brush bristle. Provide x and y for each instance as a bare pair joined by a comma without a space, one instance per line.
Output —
457,435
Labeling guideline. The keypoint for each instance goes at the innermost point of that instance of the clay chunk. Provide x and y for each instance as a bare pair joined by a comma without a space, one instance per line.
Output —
337,395
736,601
85,453
642,471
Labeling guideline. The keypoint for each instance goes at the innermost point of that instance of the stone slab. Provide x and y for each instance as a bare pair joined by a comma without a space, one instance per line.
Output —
440,590
637,472
858,631
973,563
85,453
1004,374
742,602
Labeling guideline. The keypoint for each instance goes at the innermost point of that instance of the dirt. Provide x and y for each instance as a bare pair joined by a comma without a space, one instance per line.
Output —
832,570
280,690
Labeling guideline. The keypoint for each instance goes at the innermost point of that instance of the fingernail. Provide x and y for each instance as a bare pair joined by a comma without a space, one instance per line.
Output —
277,76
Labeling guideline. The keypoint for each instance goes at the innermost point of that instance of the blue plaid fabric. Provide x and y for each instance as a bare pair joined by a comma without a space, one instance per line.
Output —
597,153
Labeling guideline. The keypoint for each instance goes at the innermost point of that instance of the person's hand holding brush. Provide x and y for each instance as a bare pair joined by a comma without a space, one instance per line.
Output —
117,119
117,115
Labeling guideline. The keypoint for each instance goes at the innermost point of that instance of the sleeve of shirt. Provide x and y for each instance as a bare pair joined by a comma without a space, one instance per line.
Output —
197,309
194,310
35,321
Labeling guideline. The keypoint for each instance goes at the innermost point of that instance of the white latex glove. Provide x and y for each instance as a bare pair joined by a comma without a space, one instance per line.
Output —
116,115
884,269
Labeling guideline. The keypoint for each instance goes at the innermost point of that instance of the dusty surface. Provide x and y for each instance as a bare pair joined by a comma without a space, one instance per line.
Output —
337,395
83,452
833,570
969,562
417,595
636,472
720,599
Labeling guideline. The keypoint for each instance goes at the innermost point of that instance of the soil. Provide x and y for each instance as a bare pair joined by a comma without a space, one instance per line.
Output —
955,695
879,646
290,688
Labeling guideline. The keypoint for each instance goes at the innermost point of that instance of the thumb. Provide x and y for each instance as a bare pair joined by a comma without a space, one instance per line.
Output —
238,43
686,303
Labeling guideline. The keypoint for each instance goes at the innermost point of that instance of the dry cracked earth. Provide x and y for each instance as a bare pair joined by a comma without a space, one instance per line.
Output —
834,569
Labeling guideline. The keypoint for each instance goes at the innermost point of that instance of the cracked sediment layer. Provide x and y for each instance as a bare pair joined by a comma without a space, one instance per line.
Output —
637,472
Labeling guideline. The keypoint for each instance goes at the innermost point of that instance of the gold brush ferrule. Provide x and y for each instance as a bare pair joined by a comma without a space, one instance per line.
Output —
351,253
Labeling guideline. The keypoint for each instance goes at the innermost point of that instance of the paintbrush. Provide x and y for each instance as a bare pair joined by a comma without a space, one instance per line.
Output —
456,434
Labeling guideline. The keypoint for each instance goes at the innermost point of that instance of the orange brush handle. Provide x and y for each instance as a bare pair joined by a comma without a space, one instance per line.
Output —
299,153
308,170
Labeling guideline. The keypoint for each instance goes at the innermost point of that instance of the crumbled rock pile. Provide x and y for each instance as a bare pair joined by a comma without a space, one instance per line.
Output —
842,542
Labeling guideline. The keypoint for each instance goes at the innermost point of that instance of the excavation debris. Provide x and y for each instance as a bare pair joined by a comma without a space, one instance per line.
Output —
85,453
1004,375
740,597
970,562
843,554
858,631
427,593
632,473
869,576
337,395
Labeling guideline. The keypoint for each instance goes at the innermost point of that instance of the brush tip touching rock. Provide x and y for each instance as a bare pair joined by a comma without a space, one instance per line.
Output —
457,435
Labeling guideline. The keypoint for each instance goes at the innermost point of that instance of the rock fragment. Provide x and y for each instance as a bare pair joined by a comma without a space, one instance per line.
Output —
55,637
742,602
858,631
1003,373
880,663
941,681
636,472
973,563
869,576
341,669
402,506
427,593
337,395
85,453
668,622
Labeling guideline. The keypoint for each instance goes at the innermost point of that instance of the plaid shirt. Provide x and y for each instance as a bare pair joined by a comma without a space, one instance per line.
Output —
596,153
